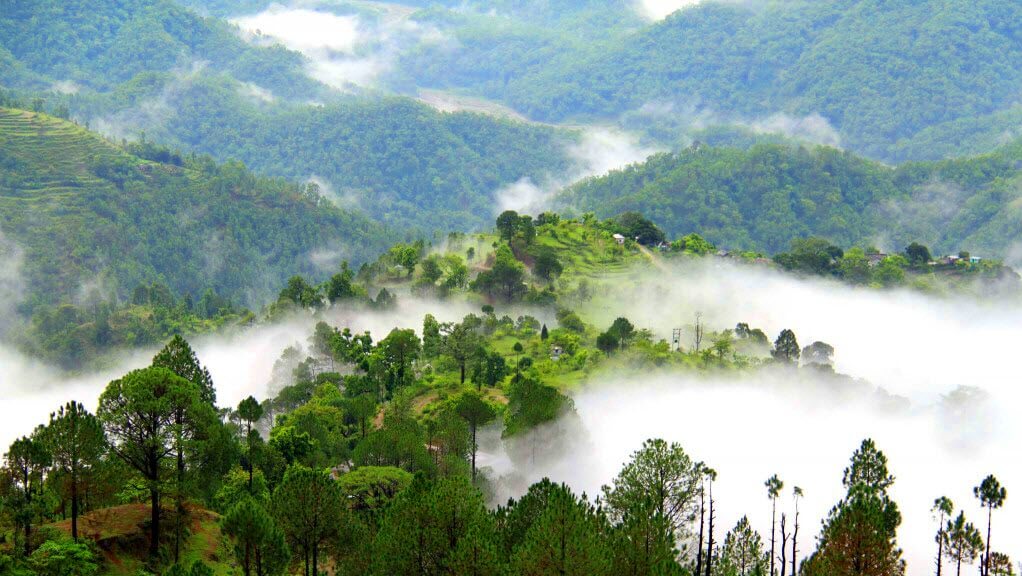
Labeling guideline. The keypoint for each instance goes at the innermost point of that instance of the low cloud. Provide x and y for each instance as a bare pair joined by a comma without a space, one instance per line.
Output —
65,87
660,9
12,283
812,128
938,391
678,119
344,51
598,151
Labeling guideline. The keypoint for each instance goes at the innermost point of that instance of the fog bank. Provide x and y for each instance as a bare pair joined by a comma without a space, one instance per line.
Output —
344,50
599,150
940,400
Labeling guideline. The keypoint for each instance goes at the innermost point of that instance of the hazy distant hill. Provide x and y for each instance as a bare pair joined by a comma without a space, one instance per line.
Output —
89,214
764,196
880,71
194,83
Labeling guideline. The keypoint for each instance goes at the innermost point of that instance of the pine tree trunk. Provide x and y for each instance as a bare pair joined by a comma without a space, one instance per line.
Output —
709,540
794,543
702,522
154,529
773,530
940,546
74,505
986,558
475,447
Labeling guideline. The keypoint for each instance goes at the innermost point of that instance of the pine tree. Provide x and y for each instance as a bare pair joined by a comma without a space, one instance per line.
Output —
858,536
307,506
476,412
942,507
962,542
250,411
774,487
259,545
27,462
742,553
76,441
568,539
991,495
140,413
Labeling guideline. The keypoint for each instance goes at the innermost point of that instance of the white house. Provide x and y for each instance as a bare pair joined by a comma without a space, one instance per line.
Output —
619,238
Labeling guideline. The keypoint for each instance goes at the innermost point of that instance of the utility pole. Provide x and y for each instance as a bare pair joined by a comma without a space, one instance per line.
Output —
699,330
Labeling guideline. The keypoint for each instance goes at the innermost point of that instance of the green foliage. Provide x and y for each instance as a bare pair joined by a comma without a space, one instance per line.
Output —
371,488
178,357
259,545
858,536
567,538
98,46
531,403
786,350
428,523
64,558
659,478
505,279
307,506
742,553
190,228
75,440
870,69
756,199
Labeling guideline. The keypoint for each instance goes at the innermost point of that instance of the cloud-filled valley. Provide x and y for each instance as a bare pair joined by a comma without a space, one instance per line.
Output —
937,392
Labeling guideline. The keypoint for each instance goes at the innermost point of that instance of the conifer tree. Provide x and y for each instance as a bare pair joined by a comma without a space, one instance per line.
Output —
76,441
859,534
568,539
774,487
991,495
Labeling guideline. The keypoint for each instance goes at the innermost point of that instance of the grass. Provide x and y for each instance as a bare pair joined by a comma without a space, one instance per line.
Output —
120,534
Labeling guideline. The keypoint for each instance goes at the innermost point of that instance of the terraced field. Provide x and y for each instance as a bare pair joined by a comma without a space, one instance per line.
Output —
88,213
59,152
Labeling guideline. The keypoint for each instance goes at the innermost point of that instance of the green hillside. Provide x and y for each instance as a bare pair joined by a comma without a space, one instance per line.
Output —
94,217
763,197
402,162
97,45
880,72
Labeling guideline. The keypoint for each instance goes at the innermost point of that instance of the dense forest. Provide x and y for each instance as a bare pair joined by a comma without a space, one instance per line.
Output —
363,457
94,220
369,287
195,84
398,160
763,196
880,72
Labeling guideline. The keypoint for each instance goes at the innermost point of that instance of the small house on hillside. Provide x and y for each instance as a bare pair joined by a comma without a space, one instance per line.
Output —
619,239
875,258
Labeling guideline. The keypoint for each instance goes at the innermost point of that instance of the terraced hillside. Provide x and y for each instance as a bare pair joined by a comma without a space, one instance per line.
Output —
91,218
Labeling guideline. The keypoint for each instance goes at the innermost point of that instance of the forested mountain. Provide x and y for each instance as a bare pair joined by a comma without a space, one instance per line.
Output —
880,72
194,83
401,161
95,220
763,197
91,44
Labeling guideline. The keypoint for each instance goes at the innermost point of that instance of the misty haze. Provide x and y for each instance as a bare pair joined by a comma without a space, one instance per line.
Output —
510,287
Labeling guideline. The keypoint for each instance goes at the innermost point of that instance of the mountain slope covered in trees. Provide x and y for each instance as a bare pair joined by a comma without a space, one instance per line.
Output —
401,161
880,72
195,83
763,197
89,44
87,214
